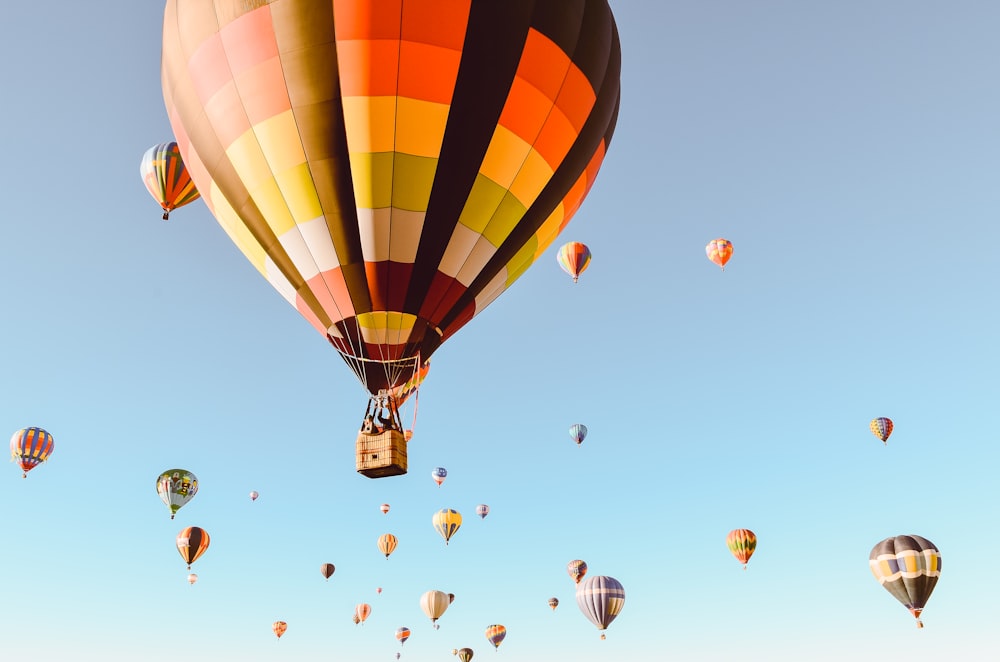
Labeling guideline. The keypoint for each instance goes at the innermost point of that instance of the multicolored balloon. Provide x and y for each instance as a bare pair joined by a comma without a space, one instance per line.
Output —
29,447
742,543
578,432
881,427
447,522
434,604
327,570
439,474
465,654
574,258
279,628
719,251
601,599
192,543
908,567
402,634
176,487
167,180
254,495
553,602
385,508
362,611
576,569
482,510
355,619
387,543
495,635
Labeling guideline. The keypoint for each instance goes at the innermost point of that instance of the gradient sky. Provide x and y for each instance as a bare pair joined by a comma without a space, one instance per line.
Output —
851,152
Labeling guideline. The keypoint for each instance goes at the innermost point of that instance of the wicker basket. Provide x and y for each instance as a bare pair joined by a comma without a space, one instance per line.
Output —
381,454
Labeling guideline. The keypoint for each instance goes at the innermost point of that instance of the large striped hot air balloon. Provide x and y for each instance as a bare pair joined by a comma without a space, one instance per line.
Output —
176,487
574,258
391,167
29,447
192,543
387,543
881,427
495,635
742,543
447,522
167,180
908,567
601,599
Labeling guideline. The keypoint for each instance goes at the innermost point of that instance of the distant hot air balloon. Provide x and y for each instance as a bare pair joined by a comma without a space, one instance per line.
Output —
451,598
254,495
576,569
327,570
553,602
482,510
192,543
600,599
402,634
176,487
439,474
387,543
378,590
355,619
465,654
578,432
447,522
574,258
279,628
908,567
362,611
882,427
166,178
454,651
434,604
30,447
742,543
495,634
385,509
719,251
192,578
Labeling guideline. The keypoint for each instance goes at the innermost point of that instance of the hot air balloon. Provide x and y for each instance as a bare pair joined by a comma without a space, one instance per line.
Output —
742,543
378,591
166,178
446,522
574,258
279,628
30,447
434,604
495,634
254,495
391,169
553,602
881,427
576,569
387,543
385,508
355,619
362,611
578,432
600,599
327,570
465,654
908,567
192,543
439,474
176,487
719,251
192,578
451,598
402,634
482,510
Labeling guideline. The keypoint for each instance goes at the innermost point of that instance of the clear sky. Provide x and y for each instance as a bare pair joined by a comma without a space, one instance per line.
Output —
851,152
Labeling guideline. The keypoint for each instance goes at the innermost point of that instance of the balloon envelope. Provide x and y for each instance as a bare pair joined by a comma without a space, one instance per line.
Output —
279,628
553,602
601,599
30,447
402,634
482,510
385,508
447,522
908,567
387,543
574,258
327,570
362,611
434,604
741,543
192,578
176,487
578,432
192,543
439,474
167,180
495,634
719,251
576,569
881,427
464,654
254,495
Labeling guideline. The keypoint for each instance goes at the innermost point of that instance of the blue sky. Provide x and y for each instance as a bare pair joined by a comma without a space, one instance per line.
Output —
851,152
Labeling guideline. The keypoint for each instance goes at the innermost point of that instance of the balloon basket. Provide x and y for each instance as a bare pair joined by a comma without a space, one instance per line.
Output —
381,454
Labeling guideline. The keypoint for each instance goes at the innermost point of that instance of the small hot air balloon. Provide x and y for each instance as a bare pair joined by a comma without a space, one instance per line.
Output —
574,258
385,508
434,604
439,474
355,619
327,570
176,487
465,654
578,432
482,510
576,569
166,178
402,634
742,543
30,447
553,602
279,628
192,578
387,543
600,599
908,567
192,543
254,495
882,427
378,591
451,598
362,611
397,656
454,651
719,251
446,522
495,635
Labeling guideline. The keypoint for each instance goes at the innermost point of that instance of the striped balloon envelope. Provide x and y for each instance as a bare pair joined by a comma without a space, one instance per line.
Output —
908,567
30,447
387,543
279,628
167,180
601,599
574,258
495,635
881,427
576,569
402,634
192,543
447,522
719,251
742,543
